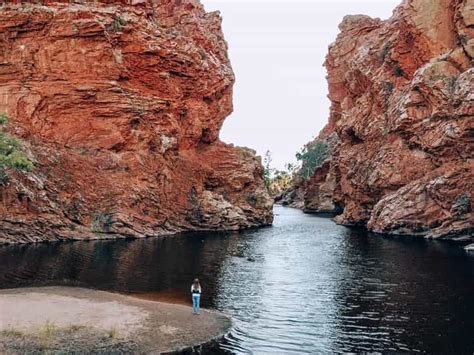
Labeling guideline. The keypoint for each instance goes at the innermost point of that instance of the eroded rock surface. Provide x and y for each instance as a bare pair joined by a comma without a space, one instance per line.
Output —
402,106
120,104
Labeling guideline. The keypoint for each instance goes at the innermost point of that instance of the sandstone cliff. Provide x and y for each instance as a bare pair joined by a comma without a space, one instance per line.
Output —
120,104
402,106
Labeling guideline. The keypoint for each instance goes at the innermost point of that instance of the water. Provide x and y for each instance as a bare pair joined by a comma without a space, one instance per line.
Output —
303,285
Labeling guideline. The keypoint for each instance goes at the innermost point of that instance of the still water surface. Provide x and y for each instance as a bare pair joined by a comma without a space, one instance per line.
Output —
303,285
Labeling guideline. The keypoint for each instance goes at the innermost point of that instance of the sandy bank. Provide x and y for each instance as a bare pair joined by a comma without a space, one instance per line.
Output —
75,319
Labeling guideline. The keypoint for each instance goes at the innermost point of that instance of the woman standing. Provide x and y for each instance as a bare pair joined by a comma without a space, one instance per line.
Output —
196,293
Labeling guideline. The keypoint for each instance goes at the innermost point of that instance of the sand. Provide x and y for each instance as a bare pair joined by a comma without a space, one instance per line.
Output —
69,319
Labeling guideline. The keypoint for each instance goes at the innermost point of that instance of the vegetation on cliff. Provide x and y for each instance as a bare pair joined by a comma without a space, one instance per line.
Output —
312,157
11,154
309,158
277,180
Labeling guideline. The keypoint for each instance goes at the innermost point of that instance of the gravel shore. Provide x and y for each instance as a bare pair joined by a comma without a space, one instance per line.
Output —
69,319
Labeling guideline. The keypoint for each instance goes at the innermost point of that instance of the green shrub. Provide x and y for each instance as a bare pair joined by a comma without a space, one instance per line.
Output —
384,52
3,119
397,69
11,155
117,24
281,181
388,87
452,83
102,222
462,205
275,180
312,157
4,178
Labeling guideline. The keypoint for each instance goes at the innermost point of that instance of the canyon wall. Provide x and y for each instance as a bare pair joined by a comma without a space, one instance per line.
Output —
402,107
119,105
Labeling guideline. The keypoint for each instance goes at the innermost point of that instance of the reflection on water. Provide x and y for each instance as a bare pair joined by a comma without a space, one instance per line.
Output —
303,285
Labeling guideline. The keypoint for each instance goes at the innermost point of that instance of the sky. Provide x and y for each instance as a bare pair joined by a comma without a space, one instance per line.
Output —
277,48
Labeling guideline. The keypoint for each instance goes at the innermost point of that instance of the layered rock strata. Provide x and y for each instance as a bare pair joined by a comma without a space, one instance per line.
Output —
402,106
120,104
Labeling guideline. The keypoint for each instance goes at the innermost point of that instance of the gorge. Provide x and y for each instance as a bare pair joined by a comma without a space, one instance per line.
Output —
114,108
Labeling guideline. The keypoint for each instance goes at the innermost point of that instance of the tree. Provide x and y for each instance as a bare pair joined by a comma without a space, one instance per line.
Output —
277,180
267,169
291,168
11,154
281,181
312,157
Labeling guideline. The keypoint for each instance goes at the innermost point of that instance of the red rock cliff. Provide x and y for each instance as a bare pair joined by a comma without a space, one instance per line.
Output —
402,94
120,104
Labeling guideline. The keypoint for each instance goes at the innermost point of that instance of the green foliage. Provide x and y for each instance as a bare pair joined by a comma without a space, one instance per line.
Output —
282,180
384,52
312,157
11,155
117,24
102,222
3,119
452,83
462,205
4,178
275,180
388,87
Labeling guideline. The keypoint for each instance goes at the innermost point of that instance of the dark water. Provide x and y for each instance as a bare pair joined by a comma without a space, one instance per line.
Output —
303,285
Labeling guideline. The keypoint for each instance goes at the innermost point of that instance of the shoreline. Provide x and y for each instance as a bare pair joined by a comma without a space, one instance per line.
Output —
464,241
68,319
117,236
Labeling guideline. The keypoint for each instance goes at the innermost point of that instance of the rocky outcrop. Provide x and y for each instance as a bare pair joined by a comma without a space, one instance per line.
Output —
402,106
315,194
120,104
294,195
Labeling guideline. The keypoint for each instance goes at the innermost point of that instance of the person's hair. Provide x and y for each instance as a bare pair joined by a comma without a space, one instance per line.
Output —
196,283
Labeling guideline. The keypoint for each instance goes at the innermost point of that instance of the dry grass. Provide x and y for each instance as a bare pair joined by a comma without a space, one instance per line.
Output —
50,338
47,334
11,331
113,332
76,328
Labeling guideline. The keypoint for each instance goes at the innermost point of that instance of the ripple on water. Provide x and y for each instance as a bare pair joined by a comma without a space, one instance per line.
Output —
304,285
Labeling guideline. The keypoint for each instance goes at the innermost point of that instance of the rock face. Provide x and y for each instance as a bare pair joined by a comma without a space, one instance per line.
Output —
402,106
315,195
120,104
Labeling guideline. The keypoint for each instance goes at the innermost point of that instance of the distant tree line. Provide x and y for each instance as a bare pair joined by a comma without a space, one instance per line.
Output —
309,158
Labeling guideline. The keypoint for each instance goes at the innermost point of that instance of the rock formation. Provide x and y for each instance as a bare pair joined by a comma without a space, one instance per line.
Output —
120,104
402,106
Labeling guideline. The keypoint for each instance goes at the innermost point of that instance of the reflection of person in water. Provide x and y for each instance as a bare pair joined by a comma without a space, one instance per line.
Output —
196,293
